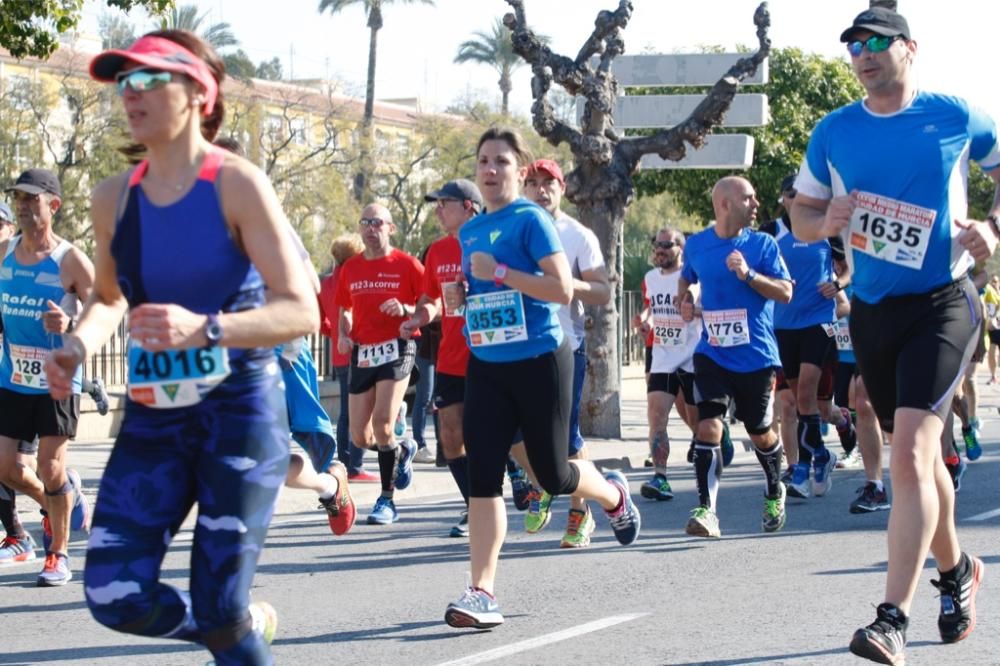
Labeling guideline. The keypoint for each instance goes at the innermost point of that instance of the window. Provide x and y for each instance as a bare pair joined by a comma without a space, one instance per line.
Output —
298,128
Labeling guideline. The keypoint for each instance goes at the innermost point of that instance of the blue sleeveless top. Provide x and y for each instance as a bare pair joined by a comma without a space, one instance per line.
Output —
24,292
183,253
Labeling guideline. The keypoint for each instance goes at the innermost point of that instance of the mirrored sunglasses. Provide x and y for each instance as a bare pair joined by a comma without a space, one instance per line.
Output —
874,44
142,80
371,222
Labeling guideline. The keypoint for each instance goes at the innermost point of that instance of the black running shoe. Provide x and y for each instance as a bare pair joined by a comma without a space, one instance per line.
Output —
958,601
870,499
883,640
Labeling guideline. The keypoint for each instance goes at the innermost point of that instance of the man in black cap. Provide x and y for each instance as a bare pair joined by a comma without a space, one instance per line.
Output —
41,274
887,174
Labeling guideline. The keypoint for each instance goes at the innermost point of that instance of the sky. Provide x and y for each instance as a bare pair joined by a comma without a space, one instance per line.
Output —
418,43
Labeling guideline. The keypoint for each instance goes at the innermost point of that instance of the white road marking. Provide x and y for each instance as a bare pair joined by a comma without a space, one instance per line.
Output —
541,641
984,516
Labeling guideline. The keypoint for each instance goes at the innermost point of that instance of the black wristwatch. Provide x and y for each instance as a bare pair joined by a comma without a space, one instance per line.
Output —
751,275
213,331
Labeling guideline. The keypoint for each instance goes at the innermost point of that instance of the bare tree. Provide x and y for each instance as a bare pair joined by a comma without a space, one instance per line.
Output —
601,184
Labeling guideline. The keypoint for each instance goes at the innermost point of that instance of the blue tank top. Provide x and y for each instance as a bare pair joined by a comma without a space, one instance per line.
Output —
24,293
183,253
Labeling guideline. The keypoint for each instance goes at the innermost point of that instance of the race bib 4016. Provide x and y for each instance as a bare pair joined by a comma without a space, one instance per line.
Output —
175,377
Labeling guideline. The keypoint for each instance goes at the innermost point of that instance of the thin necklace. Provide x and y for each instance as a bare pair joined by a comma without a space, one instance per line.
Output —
178,187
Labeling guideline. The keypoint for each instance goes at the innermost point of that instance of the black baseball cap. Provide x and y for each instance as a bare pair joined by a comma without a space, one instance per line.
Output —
459,190
37,181
879,20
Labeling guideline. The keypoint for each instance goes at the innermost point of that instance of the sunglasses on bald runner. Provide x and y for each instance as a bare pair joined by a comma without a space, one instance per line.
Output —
371,222
142,80
665,245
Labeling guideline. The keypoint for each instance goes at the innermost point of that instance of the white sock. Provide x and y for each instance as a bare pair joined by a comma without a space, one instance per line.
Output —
330,486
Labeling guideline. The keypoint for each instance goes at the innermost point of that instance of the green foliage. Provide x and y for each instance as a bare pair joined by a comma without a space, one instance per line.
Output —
443,149
270,70
803,88
494,48
32,27
239,65
116,31
71,125
644,218
186,17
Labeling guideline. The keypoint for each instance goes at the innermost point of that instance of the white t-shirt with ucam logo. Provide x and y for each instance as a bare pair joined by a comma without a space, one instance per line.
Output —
674,339
583,252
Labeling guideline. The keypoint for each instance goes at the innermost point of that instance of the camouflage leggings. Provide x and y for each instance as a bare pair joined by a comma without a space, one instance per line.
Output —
229,454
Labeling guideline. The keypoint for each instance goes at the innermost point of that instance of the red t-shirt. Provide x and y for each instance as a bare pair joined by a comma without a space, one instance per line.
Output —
444,264
364,285
328,316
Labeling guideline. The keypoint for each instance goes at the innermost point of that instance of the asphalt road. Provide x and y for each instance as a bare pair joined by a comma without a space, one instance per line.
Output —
378,594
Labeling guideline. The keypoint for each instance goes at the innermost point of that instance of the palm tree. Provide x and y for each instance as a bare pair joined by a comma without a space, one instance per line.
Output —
494,49
186,17
373,10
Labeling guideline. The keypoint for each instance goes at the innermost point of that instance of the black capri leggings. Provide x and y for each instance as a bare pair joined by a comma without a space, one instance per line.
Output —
534,395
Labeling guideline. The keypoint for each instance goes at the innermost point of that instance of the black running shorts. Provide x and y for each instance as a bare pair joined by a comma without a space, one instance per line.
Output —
912,350
673,383
361,380
803,345
448,390
753,393
24,416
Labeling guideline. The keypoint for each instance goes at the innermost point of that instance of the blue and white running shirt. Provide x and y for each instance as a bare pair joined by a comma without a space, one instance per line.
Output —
910,169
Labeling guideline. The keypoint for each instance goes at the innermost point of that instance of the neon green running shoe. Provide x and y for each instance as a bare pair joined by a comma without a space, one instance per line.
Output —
579,527
657,488
538,514
773,518
703,523
264,620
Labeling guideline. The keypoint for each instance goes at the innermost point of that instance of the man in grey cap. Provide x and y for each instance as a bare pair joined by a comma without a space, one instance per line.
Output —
457,201
887,174
40,275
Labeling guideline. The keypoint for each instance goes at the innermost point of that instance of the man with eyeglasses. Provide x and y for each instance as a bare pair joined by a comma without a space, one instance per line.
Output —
458,201
41,275
378,291
888,174
671,372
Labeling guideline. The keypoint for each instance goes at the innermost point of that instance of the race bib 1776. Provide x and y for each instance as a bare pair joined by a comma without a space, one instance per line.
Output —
726,328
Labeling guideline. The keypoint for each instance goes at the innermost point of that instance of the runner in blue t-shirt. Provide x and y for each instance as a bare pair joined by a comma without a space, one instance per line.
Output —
888,174
805,329
741,275
520,372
